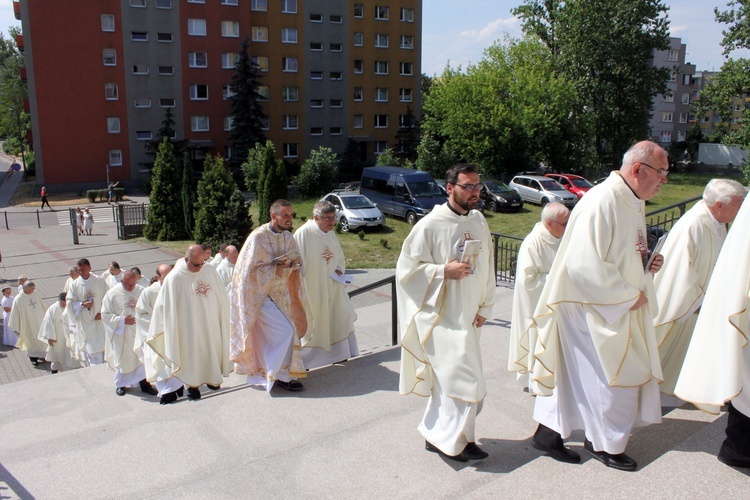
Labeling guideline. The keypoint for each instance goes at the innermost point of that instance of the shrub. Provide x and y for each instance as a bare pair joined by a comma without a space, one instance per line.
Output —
361,234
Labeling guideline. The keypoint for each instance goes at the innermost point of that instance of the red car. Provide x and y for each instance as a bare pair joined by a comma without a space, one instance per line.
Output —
573,183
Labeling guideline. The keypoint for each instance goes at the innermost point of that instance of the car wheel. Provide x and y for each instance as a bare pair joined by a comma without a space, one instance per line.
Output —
344,224
492,206
411,218
544,201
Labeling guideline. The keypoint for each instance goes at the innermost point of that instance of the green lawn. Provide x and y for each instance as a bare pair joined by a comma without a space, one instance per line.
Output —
380,249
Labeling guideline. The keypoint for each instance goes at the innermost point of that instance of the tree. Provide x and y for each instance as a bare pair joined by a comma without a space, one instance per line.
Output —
737,36
433,158
14,120
276,182
407,136
165,220
388,158
213,218
318,175
167,130
605,49
245,109
264,163
188,194
352,161
255,165
239,218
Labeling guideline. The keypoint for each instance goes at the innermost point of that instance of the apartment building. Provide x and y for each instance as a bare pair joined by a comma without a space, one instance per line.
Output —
672,118
711,122
102,73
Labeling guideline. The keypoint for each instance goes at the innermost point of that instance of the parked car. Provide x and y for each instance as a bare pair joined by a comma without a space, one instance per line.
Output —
542,190
499,196
573,183
355,211
402,192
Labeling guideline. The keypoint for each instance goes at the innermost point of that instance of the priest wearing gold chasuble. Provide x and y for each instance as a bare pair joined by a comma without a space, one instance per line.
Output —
445,283
26,318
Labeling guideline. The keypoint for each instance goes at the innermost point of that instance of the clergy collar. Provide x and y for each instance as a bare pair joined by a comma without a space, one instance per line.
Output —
456,211
629,186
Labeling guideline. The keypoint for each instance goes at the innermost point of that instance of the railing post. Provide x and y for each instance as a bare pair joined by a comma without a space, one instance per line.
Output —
73,224
496,240
6,221
38,221
394,315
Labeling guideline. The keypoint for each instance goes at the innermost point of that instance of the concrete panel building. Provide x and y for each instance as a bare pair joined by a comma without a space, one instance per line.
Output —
672,118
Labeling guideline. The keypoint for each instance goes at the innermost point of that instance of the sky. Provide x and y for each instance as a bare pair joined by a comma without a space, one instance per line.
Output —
458,31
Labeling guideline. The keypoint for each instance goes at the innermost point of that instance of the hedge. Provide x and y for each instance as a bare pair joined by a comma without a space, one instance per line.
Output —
103,194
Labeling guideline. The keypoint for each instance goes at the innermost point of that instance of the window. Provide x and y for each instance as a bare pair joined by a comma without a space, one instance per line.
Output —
683,117
358,66
316,46
405,95
358,39
336,75
705,119
166,102
115,157
291,122
264,93
666,116
289,6
163,4
197,27
143,135
229,2
404,121
197,59
381,13
357,94
686,98
164,37
336,47
673,55
142,102
381,94
196,1
673,76
381,67
316,18
316,130
681,136
407,42
230,29
260,34
139,36
358,121
336,18
199,123
381,41
198,92
359,10
229,60
113,125
738,107
228,122
686,79
289,64
381,121
261,5
110,57
227,92
335,131
337,103
316,103
265,122
316,75
381,147
288,35
665,136
108,22
261,61
669,97
406,68
290,94
140,69
166,70
110,91
290,150
407,15
138,3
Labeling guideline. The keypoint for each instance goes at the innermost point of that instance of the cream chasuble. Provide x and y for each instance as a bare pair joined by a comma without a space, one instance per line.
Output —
143,311
690,254
26,317
226,271
190,327
436,316
333,314
535,258
255,280
89,331
712,373
53,328
119,303
599,267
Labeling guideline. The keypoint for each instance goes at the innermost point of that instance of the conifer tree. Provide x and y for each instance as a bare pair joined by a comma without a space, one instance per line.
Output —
239,221
188,193
164,220
215,189
268,166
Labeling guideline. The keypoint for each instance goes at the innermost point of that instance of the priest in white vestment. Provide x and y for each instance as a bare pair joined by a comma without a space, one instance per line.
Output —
54,332
118,315
10,338
225,268
84,304
690,252
533,263
596,346
332,339
26,317
717,364
140,279
269,309
220,255
189,328
115,274
73,275
445,287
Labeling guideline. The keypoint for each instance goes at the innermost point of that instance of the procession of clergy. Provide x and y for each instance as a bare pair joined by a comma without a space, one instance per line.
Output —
272,311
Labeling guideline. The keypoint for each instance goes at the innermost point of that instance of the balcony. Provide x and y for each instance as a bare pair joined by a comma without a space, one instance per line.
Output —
17,9
23,74
19,42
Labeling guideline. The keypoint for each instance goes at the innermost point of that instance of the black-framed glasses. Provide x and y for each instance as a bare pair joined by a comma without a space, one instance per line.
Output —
471,187
661,171
193,263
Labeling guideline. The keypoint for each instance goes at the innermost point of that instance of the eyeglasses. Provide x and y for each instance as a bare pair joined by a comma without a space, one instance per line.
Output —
661,171
471,187
193,263
328,219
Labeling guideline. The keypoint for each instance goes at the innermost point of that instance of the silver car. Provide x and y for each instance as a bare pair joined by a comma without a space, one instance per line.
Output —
355,211
542,190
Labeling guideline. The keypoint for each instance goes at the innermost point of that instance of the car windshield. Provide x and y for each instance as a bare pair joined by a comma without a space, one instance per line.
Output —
357,202
425,189
551,185
497,187
582,183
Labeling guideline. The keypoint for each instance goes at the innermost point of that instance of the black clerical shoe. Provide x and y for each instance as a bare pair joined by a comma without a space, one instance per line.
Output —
181,391
34,361
53,371
474,452
729,457
120,391
167,398
434,449
194,393
147,388
558,452
293,386
213,387
620,461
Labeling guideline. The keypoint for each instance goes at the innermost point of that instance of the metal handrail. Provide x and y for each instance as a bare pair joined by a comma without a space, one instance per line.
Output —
394,311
